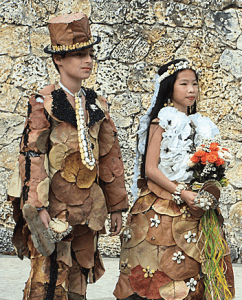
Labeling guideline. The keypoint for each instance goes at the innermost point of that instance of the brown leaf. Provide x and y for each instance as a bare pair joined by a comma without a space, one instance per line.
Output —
64,252
84,249
65,133
99,211
144,254
75,171
115,191
77,280
180,228
138,229
55,206
123,289
147,287
57,154
162,234
43,191
67,192
111,165
166,207
78,213
38,119
175,290
143,203
43,140
106,138
186,269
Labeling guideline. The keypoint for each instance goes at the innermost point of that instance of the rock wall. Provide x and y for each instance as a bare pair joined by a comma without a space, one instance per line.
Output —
137,36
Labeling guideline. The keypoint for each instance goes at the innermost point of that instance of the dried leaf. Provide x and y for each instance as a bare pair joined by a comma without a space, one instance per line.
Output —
111,165
99,211
84,249
123,289
77,214
38,119
65,133
180,228
67,192
42,140
75,171
178,271
162,234
77,280
175,290
57,154
144,254
115,191
106,138
138,229
166,207
64,252
147,287
143,203
48,106
55,206
43,191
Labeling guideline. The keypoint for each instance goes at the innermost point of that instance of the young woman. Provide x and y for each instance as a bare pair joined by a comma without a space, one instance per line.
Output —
70,172
163,243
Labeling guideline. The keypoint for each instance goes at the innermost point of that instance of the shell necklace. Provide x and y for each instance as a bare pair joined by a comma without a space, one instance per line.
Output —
83,136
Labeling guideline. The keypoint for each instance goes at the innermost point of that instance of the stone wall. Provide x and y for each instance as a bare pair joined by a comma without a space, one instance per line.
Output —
137,36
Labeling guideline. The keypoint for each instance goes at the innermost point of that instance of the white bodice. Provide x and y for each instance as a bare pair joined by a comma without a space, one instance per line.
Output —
176,141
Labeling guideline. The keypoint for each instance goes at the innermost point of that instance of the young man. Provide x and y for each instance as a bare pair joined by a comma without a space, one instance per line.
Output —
70,170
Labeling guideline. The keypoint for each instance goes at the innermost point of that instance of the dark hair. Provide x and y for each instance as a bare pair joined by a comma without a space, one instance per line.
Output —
56,66
164,93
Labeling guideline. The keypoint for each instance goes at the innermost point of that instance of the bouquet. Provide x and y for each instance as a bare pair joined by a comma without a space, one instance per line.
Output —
209,164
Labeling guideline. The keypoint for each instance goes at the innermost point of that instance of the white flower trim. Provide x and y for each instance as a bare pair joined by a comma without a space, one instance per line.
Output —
178,257
191,284
154,222
126,235
190,237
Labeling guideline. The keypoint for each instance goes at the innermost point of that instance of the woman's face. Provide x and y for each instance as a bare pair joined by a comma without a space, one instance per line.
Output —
185,90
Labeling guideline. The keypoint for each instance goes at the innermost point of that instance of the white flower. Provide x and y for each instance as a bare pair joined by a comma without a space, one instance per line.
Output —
191,284
126,235
155,222
178,257
93,107
190,163
190,237
205,203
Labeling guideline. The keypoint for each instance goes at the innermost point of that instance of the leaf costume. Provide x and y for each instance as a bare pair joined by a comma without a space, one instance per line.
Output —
51,174
163,242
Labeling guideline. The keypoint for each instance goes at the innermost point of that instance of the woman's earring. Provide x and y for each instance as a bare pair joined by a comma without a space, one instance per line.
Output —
169,103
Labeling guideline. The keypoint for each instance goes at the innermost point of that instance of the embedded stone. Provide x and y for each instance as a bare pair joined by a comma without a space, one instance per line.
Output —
18,44
231,61
225,23
178,14
6,67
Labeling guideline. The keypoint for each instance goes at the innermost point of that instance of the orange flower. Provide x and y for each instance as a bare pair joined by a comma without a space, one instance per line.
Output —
204,159
225,149
212,156
195,159
219,162
200,153
214,146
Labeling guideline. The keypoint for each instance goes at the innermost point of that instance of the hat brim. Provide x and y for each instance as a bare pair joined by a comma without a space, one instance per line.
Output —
49,50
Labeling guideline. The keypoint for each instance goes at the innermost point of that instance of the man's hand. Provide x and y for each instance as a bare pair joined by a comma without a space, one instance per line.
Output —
45,217
116,222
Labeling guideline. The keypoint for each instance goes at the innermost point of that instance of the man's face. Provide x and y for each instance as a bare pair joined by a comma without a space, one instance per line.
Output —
76,65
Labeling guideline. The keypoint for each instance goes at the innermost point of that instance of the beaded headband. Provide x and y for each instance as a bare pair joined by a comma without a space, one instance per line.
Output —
181,65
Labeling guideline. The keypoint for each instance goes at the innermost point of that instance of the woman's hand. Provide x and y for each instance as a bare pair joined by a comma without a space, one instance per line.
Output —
116,222
45,217
188,197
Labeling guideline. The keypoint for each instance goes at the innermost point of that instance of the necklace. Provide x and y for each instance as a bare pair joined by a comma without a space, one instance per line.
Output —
83,136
